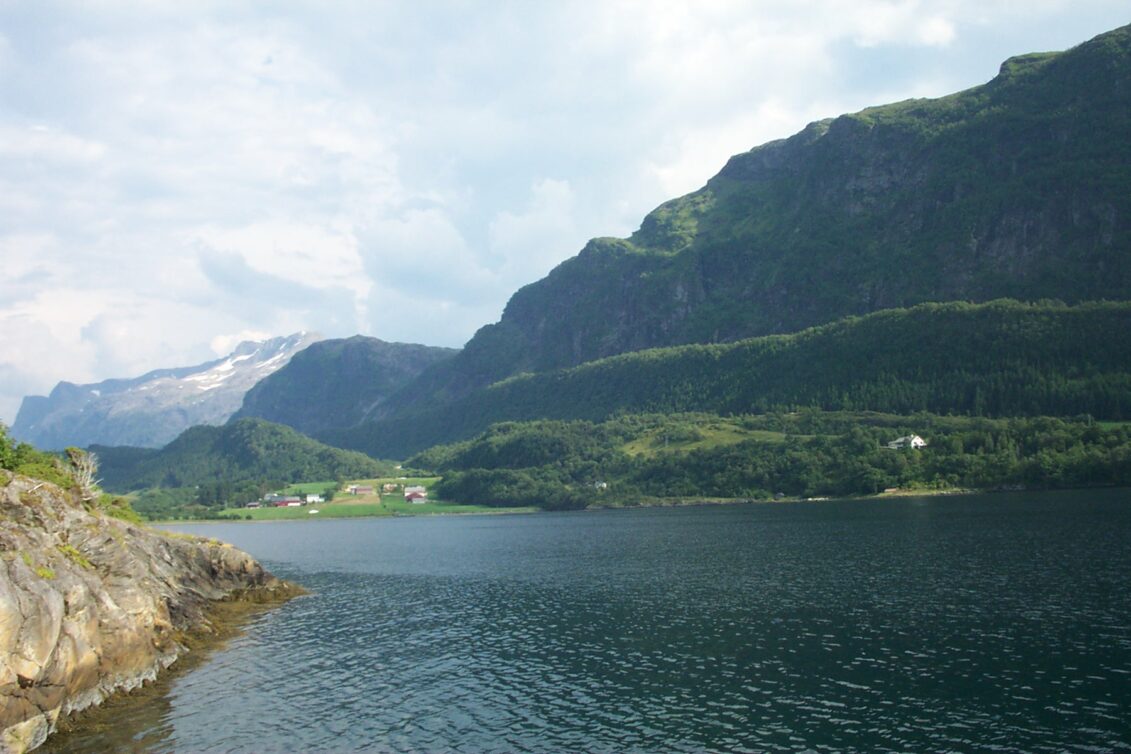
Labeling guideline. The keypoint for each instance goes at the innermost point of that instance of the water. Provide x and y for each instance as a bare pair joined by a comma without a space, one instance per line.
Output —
997,623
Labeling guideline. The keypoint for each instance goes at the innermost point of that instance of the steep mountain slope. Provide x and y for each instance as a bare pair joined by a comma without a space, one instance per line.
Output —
244,450
337,383
1018,188
1001,358
151,410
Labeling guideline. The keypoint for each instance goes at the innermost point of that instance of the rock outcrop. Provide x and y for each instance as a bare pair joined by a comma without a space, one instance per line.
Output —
91,605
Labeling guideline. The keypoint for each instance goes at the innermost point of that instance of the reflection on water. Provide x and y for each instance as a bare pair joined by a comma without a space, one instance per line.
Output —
996,623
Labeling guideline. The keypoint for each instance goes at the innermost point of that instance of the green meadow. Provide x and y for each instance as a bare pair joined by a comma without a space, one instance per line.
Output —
346,505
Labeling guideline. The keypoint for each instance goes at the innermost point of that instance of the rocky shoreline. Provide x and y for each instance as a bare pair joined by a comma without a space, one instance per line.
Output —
91,605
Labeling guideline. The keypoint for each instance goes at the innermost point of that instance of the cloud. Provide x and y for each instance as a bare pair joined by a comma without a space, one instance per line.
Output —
423,250
41,143
34,349
224,343
529,243
311,255
264,301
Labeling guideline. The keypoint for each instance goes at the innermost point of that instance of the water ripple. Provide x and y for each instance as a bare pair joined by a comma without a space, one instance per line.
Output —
981,625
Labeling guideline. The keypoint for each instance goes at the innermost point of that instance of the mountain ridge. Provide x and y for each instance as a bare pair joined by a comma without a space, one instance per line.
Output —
338,382
152,409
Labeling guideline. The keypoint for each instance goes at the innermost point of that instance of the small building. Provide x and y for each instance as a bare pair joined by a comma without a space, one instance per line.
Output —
276,498
389,487
910,441
417,490
361,489
416,497
314,499
254,504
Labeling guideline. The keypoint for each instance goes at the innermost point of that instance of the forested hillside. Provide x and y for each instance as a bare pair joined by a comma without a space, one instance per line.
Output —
1002,358
638,459
1018,188
248,452
337,383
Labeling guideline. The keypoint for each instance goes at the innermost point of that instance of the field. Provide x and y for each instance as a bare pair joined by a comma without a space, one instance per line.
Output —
346,505
309,488
695,434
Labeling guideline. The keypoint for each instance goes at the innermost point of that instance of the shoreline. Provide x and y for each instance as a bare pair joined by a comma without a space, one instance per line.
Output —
311,519
224,621
685,502
102,606
672,502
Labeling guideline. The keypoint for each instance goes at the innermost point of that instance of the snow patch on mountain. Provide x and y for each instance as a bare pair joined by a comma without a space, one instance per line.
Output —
151,410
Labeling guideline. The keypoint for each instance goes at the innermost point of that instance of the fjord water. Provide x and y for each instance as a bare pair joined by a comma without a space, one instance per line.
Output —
982,623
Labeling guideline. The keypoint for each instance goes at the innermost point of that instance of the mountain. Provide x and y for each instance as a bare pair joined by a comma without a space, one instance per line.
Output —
1018,188
246,450
1002,358
337,383
151,410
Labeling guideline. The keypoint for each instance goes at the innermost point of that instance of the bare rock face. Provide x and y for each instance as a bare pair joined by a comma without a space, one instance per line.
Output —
90,605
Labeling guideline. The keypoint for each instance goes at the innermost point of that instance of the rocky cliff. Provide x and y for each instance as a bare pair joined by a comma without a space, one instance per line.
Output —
90,605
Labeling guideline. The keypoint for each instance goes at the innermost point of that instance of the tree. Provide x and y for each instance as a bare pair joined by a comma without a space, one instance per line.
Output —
84,467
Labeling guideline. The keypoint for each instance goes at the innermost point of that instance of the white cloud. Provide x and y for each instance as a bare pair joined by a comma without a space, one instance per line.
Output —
531,242
422,250
936,32
225,343
43,143
312,255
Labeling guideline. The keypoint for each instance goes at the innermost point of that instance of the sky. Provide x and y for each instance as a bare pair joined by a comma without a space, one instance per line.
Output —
178,177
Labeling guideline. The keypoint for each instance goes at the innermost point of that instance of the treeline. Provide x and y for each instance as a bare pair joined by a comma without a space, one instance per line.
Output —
1003,358
197,502
239,457
631,459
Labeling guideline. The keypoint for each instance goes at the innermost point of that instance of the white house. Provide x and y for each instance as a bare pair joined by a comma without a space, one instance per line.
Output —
910,441
314,499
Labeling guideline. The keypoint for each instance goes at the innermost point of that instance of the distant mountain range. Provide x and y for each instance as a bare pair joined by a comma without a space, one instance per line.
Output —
150,410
